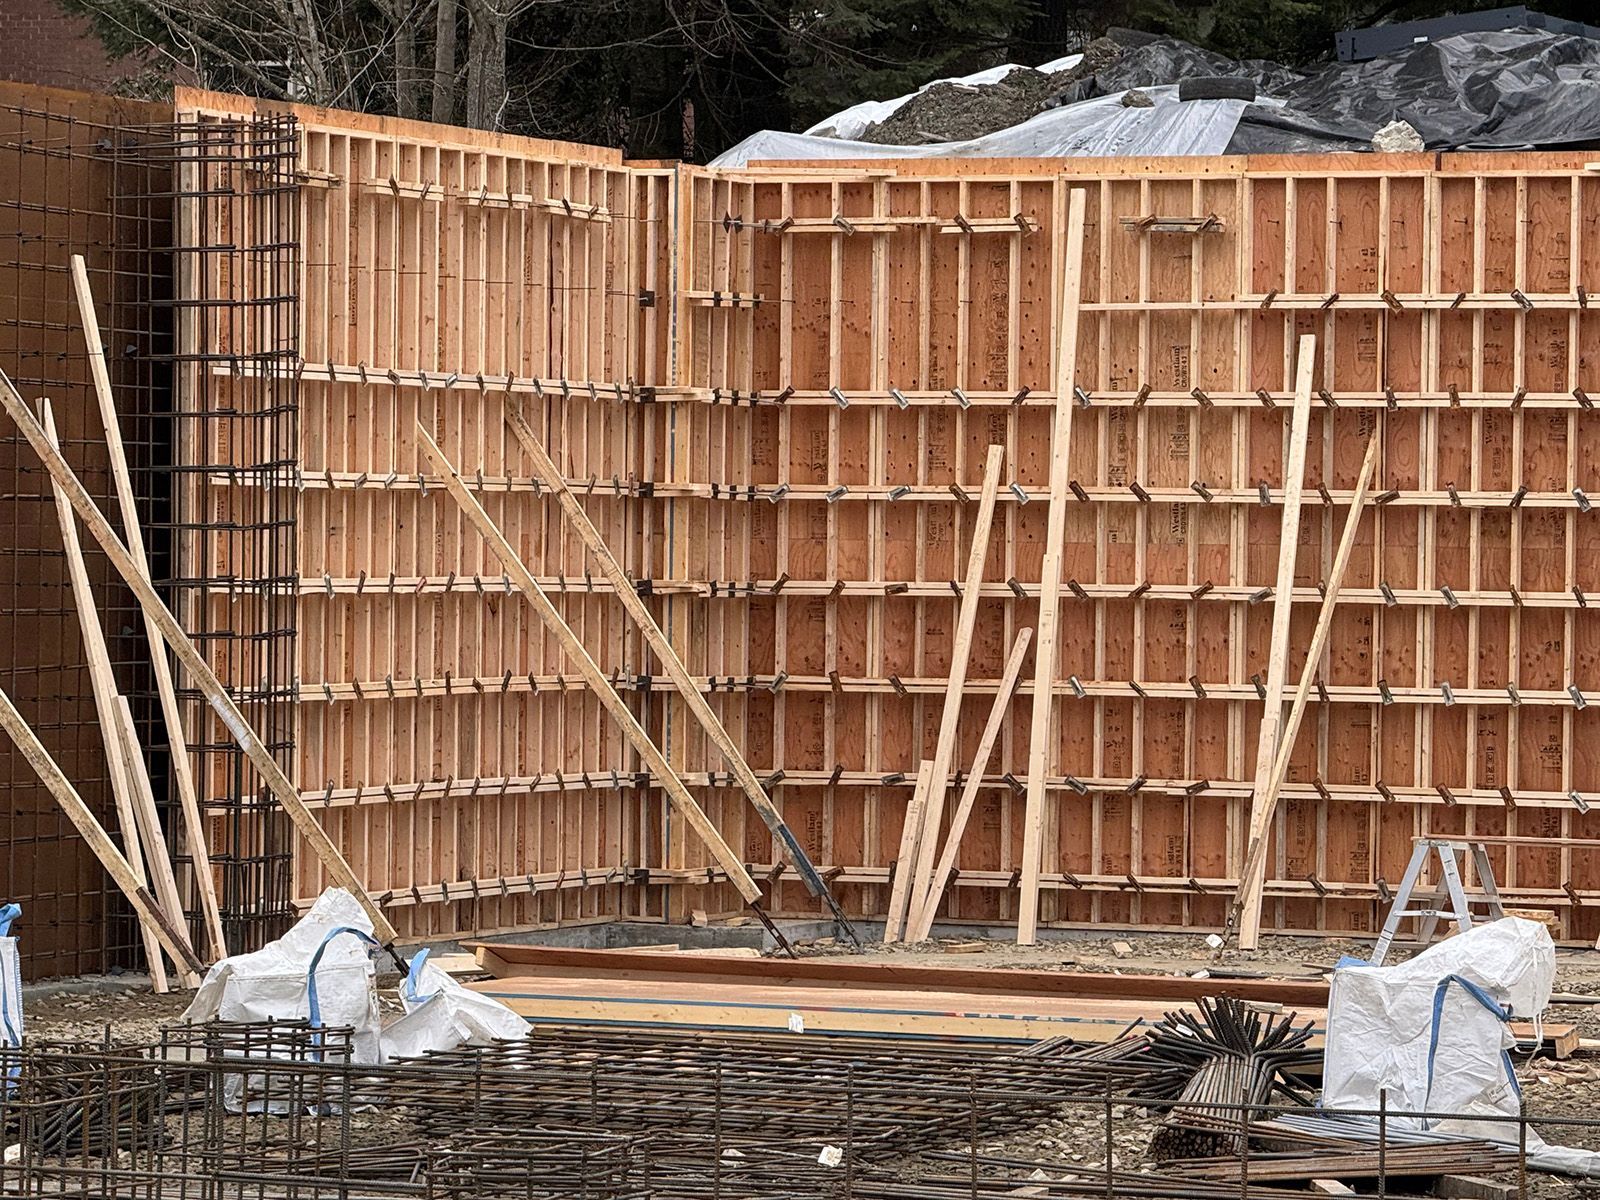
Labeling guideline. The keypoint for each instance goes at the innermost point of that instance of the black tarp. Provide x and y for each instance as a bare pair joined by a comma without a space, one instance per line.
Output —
1508,90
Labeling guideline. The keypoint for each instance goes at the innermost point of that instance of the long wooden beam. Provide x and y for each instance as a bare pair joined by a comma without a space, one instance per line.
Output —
1044,666
654,760
171,713
545,469
1247,902
922,920
105,850
136,824
910,835
960,654
192,660
1294,478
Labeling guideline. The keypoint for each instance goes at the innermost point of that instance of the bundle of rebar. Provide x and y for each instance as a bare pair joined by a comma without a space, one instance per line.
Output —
1241,1057
869,1092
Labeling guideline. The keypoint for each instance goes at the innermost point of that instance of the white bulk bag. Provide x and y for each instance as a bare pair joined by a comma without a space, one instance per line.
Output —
1433,1032
10,980
320,971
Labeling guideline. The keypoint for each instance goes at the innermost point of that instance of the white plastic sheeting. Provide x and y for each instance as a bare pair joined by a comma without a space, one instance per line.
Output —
852,122
1433,1034
440,1013
1101,127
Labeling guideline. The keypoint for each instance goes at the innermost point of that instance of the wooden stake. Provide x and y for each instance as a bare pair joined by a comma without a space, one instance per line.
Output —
1282,595
545,468
657,764
172,715
1247,903
152,838
1040,740
192,660
103,687
104,849
922,922
910,835
944,749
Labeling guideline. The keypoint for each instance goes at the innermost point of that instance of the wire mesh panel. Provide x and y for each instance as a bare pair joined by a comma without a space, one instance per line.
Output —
77,176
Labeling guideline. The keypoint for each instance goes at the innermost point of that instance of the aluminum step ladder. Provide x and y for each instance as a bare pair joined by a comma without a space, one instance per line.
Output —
1448,888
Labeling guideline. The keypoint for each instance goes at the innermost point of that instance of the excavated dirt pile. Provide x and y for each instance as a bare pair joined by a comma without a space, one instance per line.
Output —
953,112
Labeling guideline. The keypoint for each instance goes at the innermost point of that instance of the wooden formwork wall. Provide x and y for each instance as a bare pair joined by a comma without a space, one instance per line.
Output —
811,363
1458,695
453,755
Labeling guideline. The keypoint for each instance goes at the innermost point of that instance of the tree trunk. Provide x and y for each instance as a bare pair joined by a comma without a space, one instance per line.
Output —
444,63
407,87
486,63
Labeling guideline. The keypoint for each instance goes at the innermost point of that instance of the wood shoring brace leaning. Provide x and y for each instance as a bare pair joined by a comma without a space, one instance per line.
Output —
1040,740
654,760
142,837
1246,915
172,714
545,469
190,658
961,654
921,922
105,850
1294,482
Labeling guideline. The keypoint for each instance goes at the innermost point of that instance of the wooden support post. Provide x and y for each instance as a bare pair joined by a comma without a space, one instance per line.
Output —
105,850
910,835
171,713
1247,903
1282,596
961,652
1041,739
544,468
921,922
192,660
137,831
654,760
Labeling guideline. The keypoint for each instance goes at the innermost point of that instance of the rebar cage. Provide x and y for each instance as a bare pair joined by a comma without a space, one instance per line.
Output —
205,388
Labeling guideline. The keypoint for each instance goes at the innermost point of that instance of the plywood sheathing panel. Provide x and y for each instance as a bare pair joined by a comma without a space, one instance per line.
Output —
1179,333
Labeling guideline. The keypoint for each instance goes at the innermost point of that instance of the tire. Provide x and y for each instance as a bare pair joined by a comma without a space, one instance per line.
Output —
1217,87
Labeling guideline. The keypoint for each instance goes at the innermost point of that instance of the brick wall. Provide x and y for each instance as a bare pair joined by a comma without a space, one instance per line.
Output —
45,45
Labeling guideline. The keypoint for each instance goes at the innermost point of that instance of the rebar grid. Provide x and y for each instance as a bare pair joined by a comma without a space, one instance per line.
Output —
278,1111
74,184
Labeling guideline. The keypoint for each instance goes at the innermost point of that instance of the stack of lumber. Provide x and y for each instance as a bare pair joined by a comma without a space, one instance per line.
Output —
846,997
